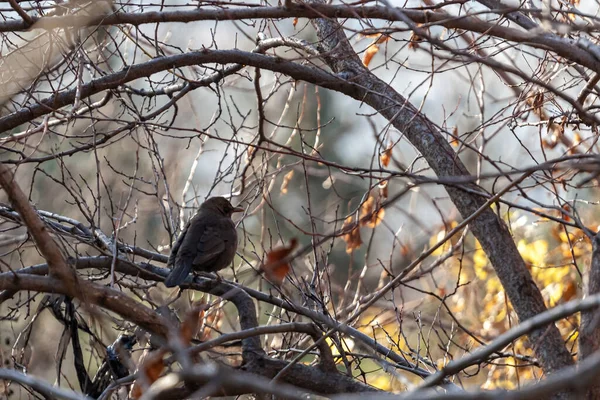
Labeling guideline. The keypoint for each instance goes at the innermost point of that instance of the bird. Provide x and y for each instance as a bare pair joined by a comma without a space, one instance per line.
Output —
207,243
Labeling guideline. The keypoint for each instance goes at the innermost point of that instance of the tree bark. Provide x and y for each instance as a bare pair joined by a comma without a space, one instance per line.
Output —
589,328
488,228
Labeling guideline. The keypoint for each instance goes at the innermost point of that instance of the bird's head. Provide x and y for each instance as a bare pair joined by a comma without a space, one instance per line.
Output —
220,205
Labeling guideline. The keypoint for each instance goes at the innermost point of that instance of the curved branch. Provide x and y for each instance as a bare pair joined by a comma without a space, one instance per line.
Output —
492,233
38,230
99,295
153,273
562,46
42,387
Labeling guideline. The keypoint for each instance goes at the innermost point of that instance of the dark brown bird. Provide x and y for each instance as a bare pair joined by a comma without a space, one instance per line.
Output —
207,243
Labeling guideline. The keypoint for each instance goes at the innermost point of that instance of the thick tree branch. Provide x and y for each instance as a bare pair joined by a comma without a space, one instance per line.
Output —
44,388
101,296
589,328
490,230
564,47
153,273
36,227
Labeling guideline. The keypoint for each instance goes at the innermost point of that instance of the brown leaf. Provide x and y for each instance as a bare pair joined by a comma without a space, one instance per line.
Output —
414,41
454,140
382,39
276,268
567,208
374,47
537,101
295,22
386,156
192,321
371,214
151,367
405,250
570,291
352,238
369,54
213,321
383,189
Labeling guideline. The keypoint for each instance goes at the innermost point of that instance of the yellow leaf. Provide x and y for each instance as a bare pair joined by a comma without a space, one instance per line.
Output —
382,382
480,263
534,252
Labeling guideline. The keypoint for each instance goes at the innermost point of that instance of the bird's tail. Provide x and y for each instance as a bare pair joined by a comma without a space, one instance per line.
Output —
178,274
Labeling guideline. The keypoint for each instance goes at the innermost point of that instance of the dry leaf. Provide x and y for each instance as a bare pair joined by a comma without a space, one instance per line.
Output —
250,152
352,238
374,48
383,189
369,54
276,268
454,141
371,214
192,321
386,156
414,41
382,39
286,181
151,367
537,101
295,22
567,208
213,321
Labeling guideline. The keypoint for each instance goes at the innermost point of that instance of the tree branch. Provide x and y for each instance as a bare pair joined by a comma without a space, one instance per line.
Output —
495,238
46,389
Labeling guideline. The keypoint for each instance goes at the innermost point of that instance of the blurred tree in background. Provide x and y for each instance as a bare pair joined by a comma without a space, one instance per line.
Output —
419,182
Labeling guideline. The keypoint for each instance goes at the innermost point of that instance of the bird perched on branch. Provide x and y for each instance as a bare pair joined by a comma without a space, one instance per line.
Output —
208,241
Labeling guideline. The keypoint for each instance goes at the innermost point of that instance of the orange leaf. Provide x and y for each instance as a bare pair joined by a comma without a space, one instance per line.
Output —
286,181
405,250
567,208
376,218
414,41
374,48
192,321
276,267
352,238
151,367
367,208
382,39
295,22
570,291
213,320
454,141
386,156
370,214
369,54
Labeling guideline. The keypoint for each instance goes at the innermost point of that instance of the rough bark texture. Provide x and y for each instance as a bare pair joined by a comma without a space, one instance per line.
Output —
589,329
491,231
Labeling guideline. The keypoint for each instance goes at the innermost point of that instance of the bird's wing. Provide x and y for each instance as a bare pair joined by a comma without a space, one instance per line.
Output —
210,245
177,245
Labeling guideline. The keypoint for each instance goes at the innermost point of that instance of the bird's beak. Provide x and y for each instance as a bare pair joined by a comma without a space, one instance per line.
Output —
238,209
